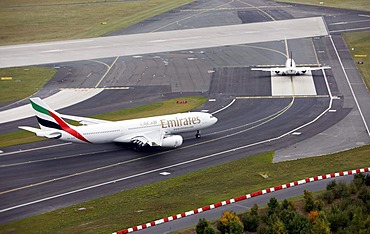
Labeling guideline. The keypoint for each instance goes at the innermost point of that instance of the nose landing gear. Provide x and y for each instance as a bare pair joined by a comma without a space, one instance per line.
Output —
197,135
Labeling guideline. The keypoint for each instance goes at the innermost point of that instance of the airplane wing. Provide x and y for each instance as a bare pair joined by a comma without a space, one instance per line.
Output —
261,69
304,69
84,120
151,138
271,69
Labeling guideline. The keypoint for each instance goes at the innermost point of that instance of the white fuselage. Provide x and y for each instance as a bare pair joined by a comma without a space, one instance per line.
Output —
121,131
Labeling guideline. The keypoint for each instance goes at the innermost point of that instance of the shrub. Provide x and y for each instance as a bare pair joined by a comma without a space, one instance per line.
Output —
202,225
309,201
273,206
250,222
229,222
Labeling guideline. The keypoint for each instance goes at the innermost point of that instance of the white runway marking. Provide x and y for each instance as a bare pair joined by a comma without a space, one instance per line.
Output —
51,51
302,85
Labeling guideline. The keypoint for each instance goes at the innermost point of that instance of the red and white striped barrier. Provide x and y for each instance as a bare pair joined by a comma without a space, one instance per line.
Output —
244,197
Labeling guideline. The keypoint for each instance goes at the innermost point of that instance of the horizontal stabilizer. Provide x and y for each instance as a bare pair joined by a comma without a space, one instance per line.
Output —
48,134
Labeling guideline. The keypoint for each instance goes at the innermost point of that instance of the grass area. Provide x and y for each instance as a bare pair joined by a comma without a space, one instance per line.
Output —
360,42
47,20
187,192
25,82
362,5
159,108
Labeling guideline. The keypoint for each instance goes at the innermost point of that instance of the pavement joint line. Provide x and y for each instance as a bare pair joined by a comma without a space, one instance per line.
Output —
234,8
284,96
243,197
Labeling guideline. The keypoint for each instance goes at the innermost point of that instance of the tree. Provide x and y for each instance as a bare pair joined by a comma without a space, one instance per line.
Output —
298,224
203,227
337,218
209,230
273,206
254,209
367,180
331,185
359,180
319,223
250,222
309,201
276,226
229,222
236,227
342,190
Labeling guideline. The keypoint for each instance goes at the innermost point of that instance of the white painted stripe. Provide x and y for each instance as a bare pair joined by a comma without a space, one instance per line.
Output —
350,30
33,149
232,102
158,221
51,51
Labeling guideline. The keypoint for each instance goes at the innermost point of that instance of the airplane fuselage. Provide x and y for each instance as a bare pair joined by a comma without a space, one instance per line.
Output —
118,131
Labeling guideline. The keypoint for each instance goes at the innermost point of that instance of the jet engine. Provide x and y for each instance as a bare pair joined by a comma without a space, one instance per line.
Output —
172,141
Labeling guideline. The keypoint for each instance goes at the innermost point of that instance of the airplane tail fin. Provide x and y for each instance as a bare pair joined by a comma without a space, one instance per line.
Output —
291,59
48,118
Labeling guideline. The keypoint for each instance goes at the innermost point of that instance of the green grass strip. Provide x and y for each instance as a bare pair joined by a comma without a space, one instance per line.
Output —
359,46
73,19
159,108
361,5
22,82
183,193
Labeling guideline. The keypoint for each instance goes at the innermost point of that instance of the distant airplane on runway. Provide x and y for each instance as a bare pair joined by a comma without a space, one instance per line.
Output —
152,131
290,68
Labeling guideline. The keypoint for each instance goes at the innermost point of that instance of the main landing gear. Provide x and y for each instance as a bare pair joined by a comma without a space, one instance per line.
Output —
198,134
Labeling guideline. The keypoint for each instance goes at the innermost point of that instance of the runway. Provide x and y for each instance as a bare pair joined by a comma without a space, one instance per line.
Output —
137,44
251,119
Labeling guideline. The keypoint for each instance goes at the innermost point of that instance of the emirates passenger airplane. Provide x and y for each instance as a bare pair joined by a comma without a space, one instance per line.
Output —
160,131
